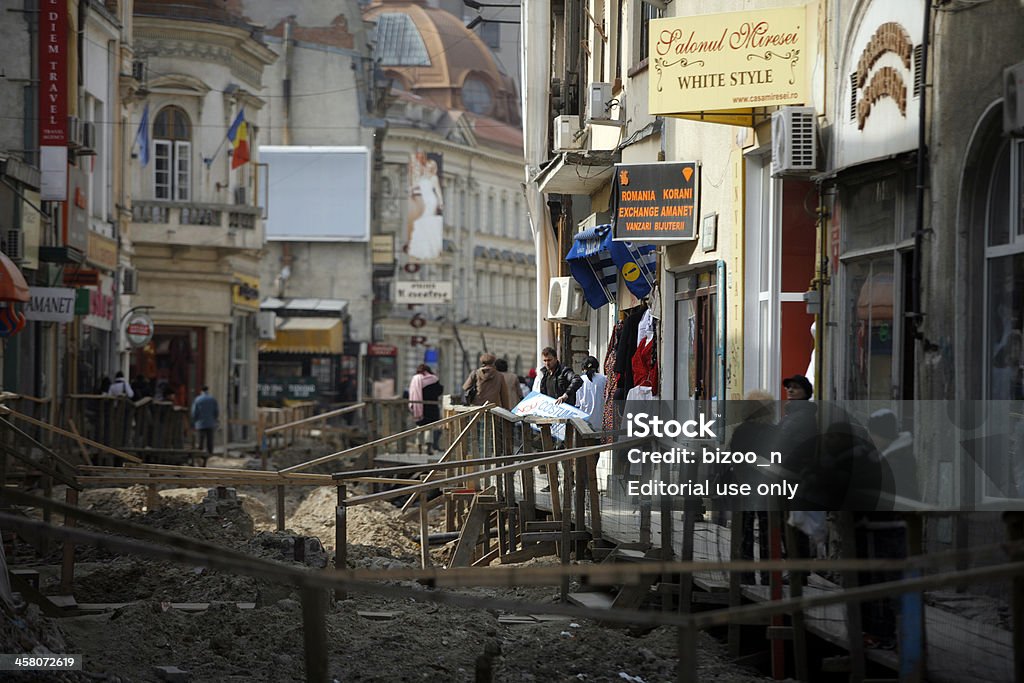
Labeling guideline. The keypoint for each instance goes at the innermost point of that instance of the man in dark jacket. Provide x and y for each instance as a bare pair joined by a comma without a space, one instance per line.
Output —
558,381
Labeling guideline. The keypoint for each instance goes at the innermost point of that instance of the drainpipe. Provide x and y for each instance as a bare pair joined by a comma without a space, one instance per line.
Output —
922,171
286,84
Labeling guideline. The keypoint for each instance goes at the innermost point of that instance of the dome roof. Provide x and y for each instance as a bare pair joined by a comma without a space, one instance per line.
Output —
432,54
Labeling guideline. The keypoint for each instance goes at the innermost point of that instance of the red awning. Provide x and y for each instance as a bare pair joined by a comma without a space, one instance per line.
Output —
12,283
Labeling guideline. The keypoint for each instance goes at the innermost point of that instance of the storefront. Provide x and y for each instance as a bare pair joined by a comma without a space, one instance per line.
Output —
308,360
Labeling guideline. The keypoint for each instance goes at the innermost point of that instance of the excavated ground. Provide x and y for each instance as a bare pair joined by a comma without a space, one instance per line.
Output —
371,637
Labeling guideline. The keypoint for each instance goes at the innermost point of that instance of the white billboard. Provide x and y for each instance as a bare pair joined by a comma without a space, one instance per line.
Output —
317,194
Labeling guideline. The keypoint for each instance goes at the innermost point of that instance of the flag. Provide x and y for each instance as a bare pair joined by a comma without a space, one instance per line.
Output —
238,135
142,136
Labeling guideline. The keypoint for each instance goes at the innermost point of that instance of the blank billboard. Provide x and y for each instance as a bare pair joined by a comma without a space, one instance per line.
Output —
317,194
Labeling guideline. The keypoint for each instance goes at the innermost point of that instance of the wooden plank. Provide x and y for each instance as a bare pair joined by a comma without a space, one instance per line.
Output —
340,538
593,600
57,430
316,418
67,566
554,536
424,531
314,633
469,536
86,458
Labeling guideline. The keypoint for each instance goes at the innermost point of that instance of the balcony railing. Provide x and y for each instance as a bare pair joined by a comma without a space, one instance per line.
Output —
230,226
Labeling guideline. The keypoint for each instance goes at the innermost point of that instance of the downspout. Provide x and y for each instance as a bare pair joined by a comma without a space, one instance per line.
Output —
922,176
286,83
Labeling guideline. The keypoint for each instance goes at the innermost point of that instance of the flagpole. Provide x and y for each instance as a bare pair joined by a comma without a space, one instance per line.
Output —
209,161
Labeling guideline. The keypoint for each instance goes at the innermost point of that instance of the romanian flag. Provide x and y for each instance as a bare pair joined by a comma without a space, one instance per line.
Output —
238,135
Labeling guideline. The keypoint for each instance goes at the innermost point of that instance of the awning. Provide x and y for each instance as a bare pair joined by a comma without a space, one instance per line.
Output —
573,174
12,283
306,335
305,307
595,261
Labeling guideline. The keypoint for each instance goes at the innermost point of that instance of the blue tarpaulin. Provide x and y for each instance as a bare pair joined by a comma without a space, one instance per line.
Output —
595,261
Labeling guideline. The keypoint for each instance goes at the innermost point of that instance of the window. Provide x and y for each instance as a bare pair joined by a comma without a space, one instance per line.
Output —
172,155
490,33
647,12
870,306
504,216
1004,276
476,96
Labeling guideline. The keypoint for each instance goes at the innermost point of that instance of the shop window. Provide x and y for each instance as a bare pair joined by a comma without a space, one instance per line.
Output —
172,155
870,305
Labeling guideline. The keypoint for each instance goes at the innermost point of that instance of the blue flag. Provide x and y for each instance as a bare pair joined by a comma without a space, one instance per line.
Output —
142,136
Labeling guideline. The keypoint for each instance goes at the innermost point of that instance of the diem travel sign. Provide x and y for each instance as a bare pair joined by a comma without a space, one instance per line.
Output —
737,60
655,202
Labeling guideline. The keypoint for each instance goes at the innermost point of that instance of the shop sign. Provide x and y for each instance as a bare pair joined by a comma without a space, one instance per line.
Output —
50,304
139,329
30,229
656,202
76,212
102,251
101,305
736,60
383,250
245,292
381,350
423,292
53,101
291,388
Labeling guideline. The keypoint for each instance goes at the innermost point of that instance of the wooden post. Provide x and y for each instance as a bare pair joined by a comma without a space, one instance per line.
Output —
736,533
778,647
1015,532
854,627
548,445
566,522
67,567
261,438
686,667
280,508
314,632
424,532
341,538
595,496
796,590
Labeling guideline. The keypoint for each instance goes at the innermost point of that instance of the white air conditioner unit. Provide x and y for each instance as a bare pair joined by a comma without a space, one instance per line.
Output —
266,325
74,132
1013,100
794,141
599,102
129,281
568,137
14,245
240,196
565,302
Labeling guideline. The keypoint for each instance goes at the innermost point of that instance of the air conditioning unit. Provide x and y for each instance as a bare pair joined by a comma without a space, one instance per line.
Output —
129,281
74,132
240,196
1013,100
266,325
14,245
568,136
794,141
565,302
88,147
139,70
600,101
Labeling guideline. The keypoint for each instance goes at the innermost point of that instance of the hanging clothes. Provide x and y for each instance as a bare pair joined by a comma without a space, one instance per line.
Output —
644,362
608,421
626,349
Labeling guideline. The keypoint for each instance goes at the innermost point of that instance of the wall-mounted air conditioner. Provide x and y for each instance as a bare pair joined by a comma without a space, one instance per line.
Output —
74,132
88,147
266,325
240,196
565,302
568,137
1013,100
600,102
129,281
14,245
794,141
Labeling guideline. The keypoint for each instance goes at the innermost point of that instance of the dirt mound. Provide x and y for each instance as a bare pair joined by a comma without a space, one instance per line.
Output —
376,524
119,503
195,496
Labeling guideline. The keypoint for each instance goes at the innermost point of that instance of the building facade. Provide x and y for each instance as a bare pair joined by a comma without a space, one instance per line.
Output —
196,233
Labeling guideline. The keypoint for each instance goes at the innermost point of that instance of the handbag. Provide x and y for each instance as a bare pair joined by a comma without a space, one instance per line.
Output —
470,395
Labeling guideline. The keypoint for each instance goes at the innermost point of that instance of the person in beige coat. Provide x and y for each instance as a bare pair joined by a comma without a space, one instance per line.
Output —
489,384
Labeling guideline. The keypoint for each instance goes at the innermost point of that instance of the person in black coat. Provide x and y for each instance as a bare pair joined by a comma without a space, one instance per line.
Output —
558,381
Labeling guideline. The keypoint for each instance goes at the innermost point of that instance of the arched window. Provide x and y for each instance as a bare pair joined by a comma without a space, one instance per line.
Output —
172,155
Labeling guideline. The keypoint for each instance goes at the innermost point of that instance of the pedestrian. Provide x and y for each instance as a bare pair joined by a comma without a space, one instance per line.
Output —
488,385
556,380
205,412
425,391
510,378
590,397
798,444
120,387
